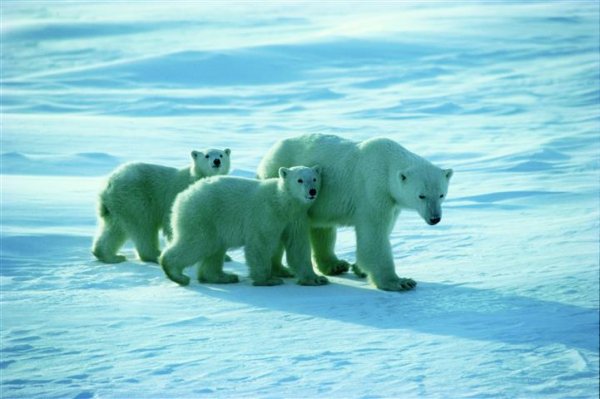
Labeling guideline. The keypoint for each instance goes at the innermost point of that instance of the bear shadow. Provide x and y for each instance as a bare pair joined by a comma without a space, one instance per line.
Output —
432,308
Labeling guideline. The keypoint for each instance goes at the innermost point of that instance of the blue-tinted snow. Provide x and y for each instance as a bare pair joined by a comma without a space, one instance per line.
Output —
507,94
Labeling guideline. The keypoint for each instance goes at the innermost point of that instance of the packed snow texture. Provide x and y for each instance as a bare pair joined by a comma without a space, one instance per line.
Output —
506,93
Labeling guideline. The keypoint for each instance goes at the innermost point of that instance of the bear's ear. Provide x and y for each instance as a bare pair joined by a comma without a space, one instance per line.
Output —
448,173
196,154
283,172
317,169
227,151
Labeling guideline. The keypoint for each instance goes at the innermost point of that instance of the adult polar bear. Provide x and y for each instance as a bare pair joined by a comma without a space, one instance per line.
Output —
364,185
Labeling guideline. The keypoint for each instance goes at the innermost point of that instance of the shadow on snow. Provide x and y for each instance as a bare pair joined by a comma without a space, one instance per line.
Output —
433,308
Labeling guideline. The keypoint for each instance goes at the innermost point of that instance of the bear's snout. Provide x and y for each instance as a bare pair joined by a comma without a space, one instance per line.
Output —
217,162
433,221
312,192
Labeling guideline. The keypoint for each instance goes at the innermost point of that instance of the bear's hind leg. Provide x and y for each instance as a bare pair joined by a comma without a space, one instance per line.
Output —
210,270
358,271
108,241
323,244
176,257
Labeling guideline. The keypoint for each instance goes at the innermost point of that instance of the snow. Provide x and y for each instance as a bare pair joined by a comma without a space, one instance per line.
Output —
507,94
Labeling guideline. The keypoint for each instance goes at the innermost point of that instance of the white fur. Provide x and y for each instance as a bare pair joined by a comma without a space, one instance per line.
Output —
365,185
136,203
227,212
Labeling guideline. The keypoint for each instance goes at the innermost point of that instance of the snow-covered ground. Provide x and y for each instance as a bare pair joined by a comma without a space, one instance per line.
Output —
507,94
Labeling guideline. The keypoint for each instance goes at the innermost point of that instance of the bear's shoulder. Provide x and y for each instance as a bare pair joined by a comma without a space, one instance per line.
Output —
242,187
387,150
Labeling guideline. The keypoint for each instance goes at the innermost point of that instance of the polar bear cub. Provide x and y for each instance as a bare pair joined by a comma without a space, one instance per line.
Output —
136,203
227,212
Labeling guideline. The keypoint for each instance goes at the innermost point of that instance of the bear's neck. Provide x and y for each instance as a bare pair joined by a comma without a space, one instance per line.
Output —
193,175
289,207
185,178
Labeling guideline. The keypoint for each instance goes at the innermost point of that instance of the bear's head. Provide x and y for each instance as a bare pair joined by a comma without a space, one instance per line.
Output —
301,182
423,189
211,162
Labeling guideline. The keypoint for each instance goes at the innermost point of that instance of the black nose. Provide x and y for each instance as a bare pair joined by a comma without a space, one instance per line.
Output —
433,221
312,191
217,162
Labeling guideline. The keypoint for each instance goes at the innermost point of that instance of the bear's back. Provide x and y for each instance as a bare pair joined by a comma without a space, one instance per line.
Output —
309,150
226,205
221,193
142,174
140,180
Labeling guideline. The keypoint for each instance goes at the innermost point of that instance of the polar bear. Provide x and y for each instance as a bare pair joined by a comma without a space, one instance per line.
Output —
136,203
227,212
365,185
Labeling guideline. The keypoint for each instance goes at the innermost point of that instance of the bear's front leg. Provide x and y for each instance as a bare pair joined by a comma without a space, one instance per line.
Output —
211,271
297,247
374,256
258,256
277,268
109,240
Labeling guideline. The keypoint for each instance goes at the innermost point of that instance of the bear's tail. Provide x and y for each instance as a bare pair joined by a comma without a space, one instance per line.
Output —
103,199
103,210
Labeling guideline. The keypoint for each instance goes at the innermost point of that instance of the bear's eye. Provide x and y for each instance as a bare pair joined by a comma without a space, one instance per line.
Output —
300,181
314,180
220,156
206,157
421,196
442,196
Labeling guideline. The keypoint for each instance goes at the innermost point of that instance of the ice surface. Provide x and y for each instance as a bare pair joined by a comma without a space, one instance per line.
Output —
507,94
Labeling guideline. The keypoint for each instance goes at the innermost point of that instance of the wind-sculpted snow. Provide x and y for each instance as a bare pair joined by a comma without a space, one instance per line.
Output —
506,94
81,164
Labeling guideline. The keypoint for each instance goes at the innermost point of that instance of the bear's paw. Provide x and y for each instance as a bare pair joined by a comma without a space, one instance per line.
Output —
112,259
313,280
281,271
401,284
179,278
221,278
268,282
358,271
333,267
